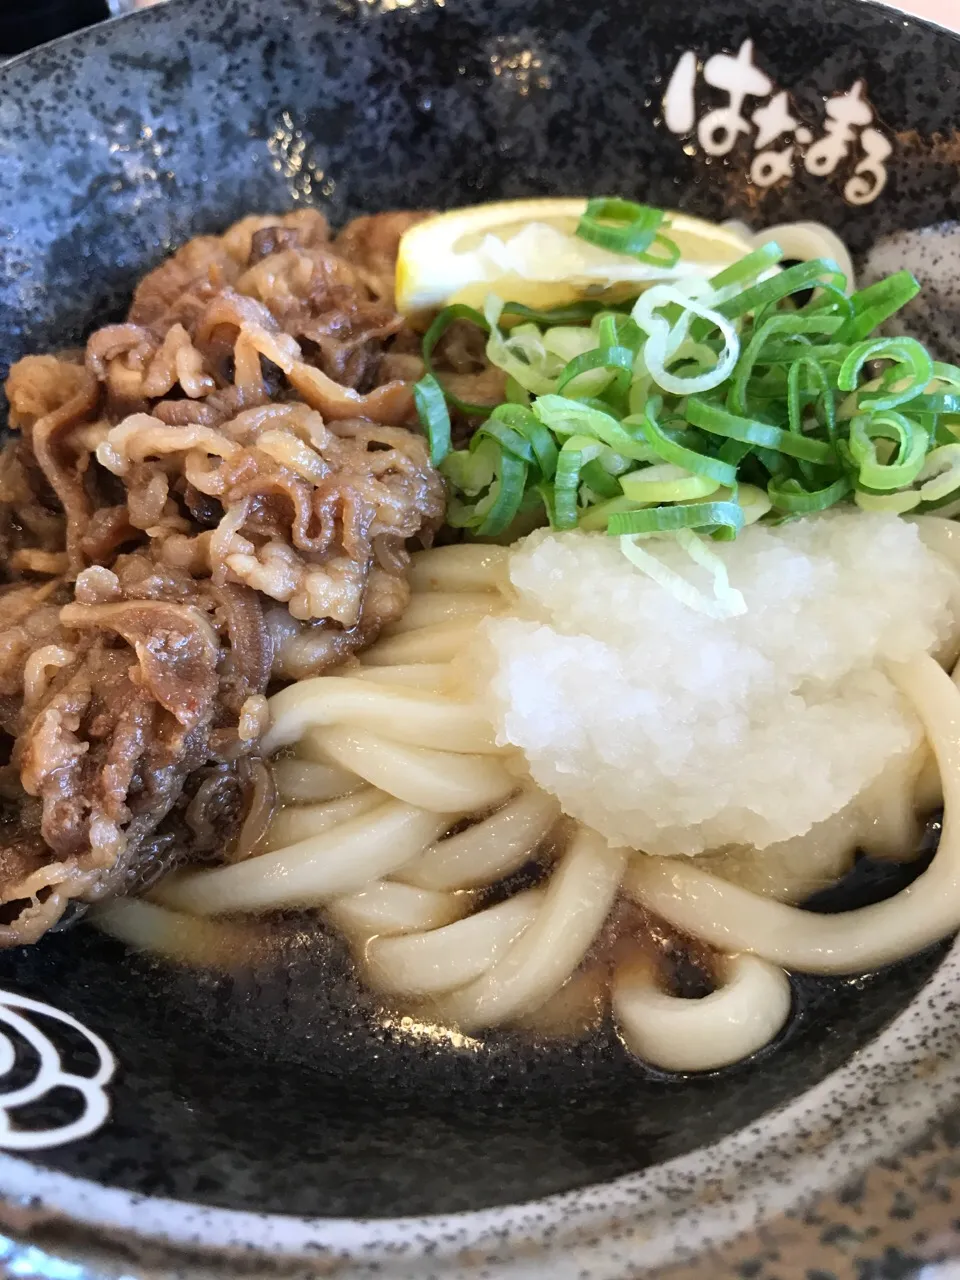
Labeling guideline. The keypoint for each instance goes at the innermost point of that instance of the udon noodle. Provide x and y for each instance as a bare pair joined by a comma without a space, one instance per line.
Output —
390,760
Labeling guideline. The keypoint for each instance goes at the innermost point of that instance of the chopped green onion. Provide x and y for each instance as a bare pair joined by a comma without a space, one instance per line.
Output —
697,405
814,371
597,518
754,502
524,422
507,494
516,394
875,305
572,417
511,441
896,504
916,370
691,515
616,362
911,447
725,602
666,483
800,326
575,454
796,279
749,431
940,473
599,480
619,331
567,342
746,270
570,313
664,339
621,226
790,496
521,354
495,511
937,402
470,472
690,460
434,417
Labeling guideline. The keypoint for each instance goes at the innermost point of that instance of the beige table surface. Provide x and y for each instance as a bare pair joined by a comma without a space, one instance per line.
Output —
944,11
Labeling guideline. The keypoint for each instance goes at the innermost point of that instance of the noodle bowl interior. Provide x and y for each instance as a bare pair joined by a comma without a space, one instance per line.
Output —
509,642
404,819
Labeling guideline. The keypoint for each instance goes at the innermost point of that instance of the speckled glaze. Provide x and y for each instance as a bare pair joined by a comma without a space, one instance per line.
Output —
272,1111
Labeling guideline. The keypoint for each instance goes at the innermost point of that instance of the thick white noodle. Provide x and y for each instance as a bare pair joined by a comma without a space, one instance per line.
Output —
341,861
737,1019
149,927
578,899
384,908
490,849
441,781
300,822
430,608
432,677
460,568
807,240
421,719
306,782
441,643
733,919
433,962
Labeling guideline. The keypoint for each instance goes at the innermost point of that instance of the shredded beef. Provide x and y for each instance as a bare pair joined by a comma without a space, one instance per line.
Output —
217,495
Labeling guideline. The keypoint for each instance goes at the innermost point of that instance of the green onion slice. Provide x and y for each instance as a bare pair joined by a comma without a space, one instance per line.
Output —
621,226
575,454
746,269
796,279
566,417
615,361
525,423
668,519
690,460
434,416
940,473
790,496
913,370
896,503
911,443
666,483
875,305
749,431
599,480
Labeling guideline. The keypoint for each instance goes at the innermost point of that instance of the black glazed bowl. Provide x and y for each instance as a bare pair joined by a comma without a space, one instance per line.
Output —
269,1109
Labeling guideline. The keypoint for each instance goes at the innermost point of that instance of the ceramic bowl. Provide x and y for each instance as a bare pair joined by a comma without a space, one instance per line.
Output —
271,1112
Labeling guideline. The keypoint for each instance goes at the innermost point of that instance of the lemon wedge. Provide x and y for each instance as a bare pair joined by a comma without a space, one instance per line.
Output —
528,251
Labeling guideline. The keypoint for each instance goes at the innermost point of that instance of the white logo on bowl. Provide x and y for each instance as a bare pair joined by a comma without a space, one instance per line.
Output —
848,125
48,1073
